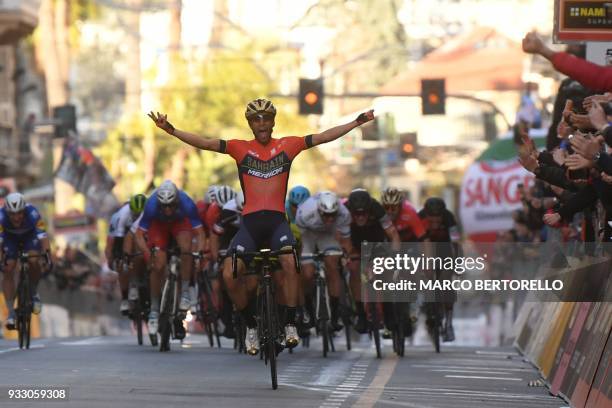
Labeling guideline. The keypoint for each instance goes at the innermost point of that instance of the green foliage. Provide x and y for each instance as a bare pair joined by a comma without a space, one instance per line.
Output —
80,11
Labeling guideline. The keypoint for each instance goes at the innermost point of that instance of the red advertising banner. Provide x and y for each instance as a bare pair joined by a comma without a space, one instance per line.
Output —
583,20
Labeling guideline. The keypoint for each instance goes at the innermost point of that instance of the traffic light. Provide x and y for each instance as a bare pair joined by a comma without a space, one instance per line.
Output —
311,96
66,115
408,145
433,96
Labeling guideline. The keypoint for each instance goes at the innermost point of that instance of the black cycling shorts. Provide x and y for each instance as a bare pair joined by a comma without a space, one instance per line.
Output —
263,229
117,251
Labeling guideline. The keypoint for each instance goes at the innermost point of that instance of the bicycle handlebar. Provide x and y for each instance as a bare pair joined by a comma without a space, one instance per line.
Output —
266,254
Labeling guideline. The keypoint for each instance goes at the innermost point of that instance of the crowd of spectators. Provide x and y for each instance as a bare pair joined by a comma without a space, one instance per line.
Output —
571,199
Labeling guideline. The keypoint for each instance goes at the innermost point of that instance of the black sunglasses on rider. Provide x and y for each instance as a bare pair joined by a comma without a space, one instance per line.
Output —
360,213
329,215
266,117
173,205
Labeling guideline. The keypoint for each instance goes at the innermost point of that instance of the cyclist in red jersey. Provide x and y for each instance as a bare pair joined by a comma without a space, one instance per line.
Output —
263,167
403,215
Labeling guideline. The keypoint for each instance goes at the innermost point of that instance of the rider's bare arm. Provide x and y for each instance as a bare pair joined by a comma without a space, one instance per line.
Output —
161,121
393,236
345,243
199,238
140,241
45,244
128,243
339,131
214,246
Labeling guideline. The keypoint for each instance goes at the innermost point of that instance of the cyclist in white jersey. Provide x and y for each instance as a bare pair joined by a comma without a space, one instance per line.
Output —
119,228
325,226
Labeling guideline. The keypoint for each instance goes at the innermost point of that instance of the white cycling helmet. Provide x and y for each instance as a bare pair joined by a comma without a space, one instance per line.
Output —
223,194
327,203
14,203
167,193
210,194
239,201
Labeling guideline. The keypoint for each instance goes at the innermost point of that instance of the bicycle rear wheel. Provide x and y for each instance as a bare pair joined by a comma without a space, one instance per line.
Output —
271,330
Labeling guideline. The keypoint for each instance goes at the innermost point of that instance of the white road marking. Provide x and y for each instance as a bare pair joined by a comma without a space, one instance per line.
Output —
430,366
471,371
497,353
484,378
33,346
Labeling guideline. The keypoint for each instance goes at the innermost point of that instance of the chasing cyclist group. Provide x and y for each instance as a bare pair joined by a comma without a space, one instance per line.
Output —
260,215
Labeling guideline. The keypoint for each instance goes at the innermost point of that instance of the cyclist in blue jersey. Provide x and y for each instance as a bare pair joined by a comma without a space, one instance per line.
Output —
21,228
297,195
169,214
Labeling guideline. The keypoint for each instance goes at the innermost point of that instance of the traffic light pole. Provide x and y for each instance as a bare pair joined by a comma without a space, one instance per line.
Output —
377,95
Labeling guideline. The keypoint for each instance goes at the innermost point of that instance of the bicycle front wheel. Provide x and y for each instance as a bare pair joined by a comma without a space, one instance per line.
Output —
271,329
165,316
437,321
375,331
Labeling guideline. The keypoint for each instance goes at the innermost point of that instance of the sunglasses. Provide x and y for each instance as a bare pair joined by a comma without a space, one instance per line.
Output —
329,215
360,213
261,116
391,207
172,206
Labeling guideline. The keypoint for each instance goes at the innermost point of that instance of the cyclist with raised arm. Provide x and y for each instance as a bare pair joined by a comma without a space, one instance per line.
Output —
170,214
119,229
21,228
370,223
443,232
325,227
263,168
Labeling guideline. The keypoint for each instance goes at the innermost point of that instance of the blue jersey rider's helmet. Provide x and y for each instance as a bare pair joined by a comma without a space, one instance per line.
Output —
297,195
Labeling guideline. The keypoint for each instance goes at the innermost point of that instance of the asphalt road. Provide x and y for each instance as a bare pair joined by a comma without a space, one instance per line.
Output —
115,372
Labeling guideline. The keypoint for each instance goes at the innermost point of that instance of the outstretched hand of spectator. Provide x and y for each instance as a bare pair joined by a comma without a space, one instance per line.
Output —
606,177
580,121
551,219
589,101
532,43
563,130
597,116
587,148
559,156
577,162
